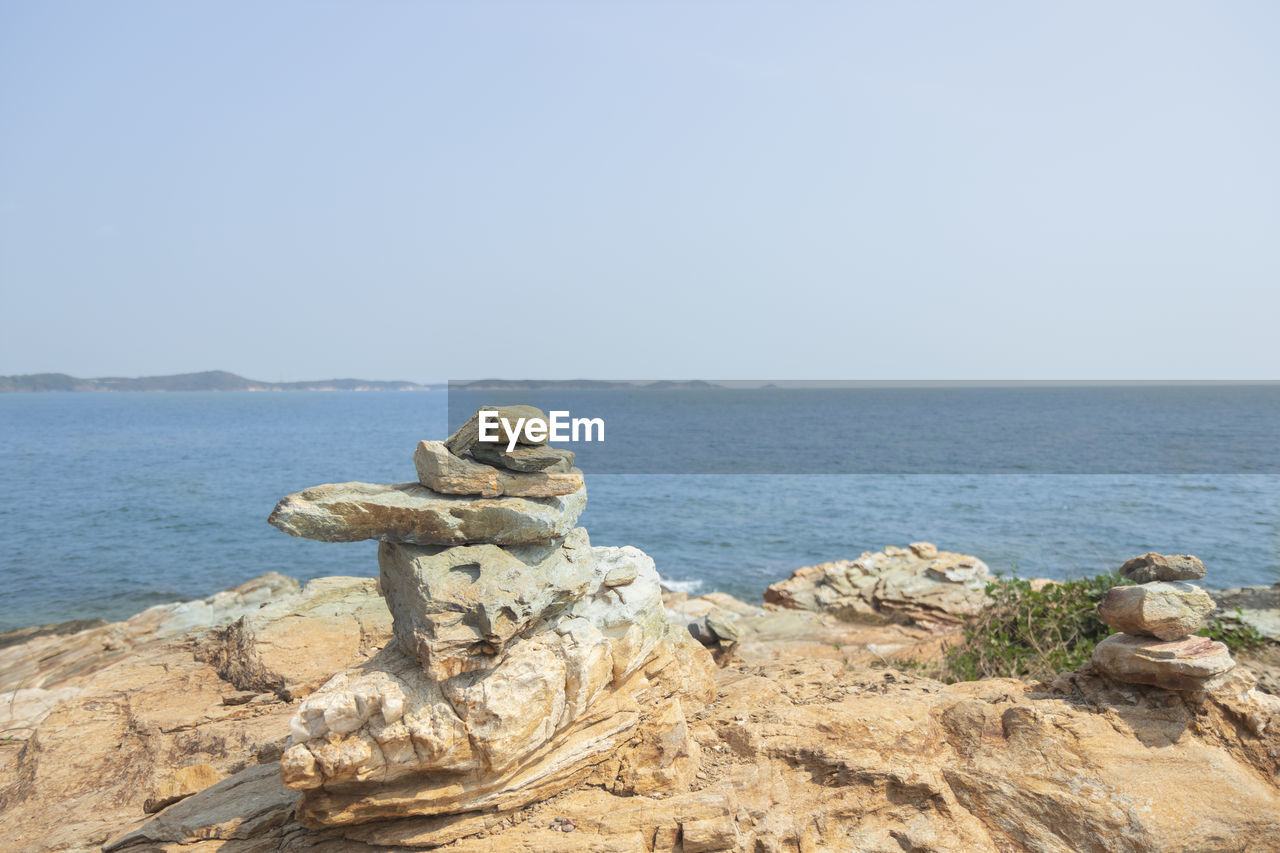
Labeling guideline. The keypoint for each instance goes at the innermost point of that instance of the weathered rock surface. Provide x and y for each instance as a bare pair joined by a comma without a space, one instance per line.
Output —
182,784
468,434
142,706
805,747
766,635
410,512
441,471
800,754
1188,664
1159,567
919,585
45,670
455,609
524,457
594,668
1168,610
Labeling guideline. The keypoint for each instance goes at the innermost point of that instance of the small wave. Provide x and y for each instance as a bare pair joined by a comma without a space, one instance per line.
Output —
690,586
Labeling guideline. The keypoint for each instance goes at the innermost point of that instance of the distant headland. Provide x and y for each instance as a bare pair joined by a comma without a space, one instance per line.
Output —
209,380
222,380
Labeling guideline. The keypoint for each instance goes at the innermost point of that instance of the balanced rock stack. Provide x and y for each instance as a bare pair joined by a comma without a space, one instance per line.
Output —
525,661
1158,618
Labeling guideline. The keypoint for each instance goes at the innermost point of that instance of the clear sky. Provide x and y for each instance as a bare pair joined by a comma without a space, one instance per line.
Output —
433,190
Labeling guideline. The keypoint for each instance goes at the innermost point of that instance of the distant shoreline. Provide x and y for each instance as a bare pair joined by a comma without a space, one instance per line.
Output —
212,380
221,380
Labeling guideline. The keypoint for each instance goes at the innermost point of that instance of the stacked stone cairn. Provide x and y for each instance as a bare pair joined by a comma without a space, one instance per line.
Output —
525,661
1157,619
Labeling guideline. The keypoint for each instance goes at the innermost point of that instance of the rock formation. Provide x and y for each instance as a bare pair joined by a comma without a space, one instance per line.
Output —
810,744
915,585
524,661
1157,619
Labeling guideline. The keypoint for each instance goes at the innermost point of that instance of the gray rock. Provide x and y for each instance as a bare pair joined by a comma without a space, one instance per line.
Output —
1255,606
456,609
1184,665
722,624
1158,567
469,433
699,630
919,584
621,576
410,512
441,471
524,457
1169,611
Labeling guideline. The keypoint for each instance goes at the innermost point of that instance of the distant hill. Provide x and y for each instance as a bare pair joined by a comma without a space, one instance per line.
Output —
575,385
209,380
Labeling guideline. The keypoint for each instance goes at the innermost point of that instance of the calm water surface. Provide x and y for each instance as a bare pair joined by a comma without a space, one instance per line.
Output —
113,502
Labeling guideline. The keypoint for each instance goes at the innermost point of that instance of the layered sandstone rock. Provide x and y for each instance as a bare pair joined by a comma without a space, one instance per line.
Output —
806,747
1157,619
524,659
410,512
915,585
1161,567
1168,610
800,754
441,471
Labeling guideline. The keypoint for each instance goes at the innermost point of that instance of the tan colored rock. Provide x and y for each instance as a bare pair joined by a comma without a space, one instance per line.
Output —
137,715
181,785
468,435
918,585
410,512
1170,611
441,471
800,754
772,634
1189,664
245,806
589,676
1159,567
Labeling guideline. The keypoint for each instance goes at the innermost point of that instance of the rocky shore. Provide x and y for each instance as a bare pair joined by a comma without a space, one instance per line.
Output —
505,685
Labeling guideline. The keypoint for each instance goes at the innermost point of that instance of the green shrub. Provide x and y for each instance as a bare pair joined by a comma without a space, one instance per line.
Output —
1036,634
1029,633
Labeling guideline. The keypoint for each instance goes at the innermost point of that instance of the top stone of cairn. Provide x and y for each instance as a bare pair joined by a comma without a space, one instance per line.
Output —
1158,567
468,435
518,463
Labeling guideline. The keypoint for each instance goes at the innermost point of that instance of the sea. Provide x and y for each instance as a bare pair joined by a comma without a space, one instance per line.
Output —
113,502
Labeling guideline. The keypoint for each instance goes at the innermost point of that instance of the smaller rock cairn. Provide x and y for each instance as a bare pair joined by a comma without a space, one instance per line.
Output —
525,660
1157,619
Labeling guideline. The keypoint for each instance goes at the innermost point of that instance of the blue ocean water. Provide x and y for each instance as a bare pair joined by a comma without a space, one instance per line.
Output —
113,502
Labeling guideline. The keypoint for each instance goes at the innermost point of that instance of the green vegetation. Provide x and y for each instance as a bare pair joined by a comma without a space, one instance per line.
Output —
1029,633
1036,634
1234,632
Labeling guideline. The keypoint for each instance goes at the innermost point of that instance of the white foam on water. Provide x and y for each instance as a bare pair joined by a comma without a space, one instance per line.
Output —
689,586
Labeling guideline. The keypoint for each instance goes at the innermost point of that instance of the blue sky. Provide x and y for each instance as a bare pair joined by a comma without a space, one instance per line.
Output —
727,190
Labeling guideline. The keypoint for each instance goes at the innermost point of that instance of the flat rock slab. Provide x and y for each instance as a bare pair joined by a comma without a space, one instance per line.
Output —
1168,610
1187,664
1159,567
526,458
441,471
468,434
410,512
